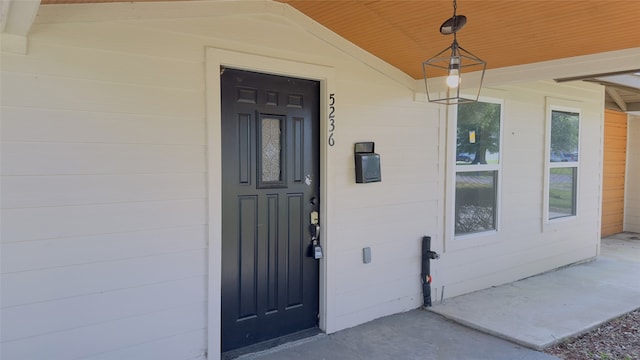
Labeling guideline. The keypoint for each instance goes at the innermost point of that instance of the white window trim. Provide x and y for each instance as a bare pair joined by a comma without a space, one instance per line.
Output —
457,242
565,105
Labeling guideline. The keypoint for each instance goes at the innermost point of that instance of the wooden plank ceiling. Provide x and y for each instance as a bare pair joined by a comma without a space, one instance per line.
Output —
504,33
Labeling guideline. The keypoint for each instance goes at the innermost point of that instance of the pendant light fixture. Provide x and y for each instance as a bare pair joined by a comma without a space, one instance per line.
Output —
443,73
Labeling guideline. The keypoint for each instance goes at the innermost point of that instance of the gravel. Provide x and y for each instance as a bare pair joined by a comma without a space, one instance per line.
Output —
618,339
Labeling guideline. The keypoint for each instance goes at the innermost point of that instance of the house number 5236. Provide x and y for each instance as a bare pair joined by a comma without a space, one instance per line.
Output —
332,119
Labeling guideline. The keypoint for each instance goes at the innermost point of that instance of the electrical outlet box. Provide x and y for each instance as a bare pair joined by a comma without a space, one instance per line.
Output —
366,255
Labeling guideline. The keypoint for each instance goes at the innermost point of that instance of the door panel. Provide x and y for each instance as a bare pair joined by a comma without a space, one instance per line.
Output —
270,161
247,246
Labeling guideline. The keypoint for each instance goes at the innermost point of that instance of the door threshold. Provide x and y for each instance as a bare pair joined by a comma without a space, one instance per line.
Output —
268,344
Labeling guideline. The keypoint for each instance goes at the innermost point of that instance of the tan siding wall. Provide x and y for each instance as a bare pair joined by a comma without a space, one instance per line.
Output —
632,205
613,172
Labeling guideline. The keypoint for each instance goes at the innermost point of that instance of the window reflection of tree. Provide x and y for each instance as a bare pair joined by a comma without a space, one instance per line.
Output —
475,201
564,132
483,119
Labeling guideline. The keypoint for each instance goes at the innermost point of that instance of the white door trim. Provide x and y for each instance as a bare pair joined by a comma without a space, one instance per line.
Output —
215,58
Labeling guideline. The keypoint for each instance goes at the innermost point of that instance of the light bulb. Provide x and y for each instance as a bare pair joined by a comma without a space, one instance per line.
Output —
453,80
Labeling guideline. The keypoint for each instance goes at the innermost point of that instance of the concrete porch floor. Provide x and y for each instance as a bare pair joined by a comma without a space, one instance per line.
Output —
413,335
542,310
531,314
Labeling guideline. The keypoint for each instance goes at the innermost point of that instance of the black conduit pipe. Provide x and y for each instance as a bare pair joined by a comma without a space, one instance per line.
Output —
427,256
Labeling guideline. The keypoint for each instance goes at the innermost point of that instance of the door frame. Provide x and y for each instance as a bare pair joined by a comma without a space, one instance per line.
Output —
214,59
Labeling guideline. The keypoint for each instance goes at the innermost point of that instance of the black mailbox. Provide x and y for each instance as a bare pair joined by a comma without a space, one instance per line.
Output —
367,163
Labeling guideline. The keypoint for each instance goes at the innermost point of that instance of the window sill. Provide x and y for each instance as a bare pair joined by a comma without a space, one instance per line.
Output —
554,224
468,241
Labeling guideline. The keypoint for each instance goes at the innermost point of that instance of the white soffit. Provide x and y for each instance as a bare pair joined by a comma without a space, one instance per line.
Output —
630,80
579,66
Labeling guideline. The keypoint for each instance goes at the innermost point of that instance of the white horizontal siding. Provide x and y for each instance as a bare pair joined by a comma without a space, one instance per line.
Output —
390,217
65,190
59,222
377,195
398,232
187,346
80,158
163,10
359,299
28,124
103,167
396,305
514,265
632,221
632,196
520,271
48,92
29,287
60,252
525,244
86,310
394,259
52,60
363,216
516,251
122,38
91,340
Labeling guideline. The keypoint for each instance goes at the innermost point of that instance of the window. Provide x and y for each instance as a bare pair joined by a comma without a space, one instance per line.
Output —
271,167
563,163
477,167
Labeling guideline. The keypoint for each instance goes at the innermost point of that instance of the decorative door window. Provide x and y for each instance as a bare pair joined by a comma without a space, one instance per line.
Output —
271,162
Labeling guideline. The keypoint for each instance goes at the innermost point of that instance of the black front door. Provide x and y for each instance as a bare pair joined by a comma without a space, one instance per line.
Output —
270,187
